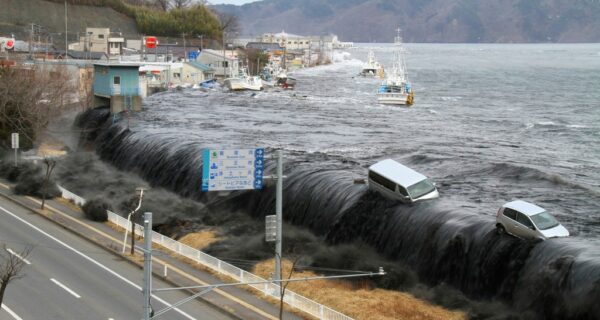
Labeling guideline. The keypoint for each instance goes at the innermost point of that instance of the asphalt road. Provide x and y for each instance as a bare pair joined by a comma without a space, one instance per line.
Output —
70,278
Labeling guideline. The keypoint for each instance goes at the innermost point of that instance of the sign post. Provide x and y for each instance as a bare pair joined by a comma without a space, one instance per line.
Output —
243,169
15,144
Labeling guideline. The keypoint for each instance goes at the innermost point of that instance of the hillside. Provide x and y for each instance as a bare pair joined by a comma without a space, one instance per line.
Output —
16,17
426,20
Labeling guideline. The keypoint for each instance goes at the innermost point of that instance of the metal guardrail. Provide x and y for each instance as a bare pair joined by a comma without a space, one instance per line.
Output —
269,289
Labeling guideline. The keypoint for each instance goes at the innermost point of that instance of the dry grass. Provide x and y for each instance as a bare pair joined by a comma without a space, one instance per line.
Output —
69,204
51,149
200,240
360,303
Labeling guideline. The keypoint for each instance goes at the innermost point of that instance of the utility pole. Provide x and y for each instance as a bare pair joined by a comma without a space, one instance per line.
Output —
147,288
66,33
184,48
279,214
224,57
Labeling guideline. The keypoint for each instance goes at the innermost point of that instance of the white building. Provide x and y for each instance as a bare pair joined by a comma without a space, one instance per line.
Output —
287,40
99,40
224,63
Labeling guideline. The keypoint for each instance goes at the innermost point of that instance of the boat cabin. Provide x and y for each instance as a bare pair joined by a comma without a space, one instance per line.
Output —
398,182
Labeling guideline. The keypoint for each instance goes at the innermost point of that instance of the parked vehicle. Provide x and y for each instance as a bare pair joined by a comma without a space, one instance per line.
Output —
528,221
398,182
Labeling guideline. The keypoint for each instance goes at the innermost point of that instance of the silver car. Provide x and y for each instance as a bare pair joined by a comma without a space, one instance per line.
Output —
528,221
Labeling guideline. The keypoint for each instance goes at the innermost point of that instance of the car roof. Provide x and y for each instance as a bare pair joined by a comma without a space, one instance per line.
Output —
397,172
524,207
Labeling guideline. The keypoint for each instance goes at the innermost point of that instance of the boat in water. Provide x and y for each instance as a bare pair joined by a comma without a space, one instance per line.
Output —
244,82
372,67
285,81
395,88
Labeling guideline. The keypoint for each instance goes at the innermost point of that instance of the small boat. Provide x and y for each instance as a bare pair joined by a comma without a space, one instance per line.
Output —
395,88
244,82
285,81
267,77
372,67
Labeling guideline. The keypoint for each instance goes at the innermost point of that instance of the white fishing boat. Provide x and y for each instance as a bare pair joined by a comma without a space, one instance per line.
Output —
285,81
372,67
244,82
395,88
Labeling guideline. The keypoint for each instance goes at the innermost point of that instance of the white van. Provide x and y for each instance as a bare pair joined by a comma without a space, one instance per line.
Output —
398,182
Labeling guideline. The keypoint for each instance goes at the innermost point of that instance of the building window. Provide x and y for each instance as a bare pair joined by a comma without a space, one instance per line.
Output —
117,80
100,36
177,75
225,64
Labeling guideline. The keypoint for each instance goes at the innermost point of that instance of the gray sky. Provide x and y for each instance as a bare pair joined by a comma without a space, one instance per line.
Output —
236,2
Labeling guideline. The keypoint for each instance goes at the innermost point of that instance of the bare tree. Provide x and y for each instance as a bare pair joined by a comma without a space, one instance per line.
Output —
179,4
49,163
11,266
163,4
283,286
29,99
229,23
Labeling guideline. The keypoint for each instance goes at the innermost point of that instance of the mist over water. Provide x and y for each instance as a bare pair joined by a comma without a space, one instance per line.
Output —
491,123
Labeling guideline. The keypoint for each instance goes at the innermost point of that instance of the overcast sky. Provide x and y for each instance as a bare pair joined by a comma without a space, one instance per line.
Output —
236,2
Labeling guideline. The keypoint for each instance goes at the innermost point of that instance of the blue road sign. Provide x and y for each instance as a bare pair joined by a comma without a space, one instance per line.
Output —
232,169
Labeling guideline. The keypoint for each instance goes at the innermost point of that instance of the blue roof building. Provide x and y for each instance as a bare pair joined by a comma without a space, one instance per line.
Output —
118,86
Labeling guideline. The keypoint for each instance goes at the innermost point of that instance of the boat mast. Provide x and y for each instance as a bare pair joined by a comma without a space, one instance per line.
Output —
399,63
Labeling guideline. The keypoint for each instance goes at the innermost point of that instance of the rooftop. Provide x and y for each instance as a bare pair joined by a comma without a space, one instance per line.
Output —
397,172
524,207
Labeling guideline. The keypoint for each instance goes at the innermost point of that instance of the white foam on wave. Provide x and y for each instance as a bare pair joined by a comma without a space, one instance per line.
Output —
577,126
546,123
452,99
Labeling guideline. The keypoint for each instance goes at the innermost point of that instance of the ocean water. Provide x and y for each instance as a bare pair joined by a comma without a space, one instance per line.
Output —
491,123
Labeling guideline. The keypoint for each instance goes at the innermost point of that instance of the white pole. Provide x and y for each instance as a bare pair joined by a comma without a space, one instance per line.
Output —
279,214
129,222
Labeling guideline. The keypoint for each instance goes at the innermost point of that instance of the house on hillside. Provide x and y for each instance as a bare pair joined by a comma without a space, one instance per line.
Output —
225,64
100,40
117,85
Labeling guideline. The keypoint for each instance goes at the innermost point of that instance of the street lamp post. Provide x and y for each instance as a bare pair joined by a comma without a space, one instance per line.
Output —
130,220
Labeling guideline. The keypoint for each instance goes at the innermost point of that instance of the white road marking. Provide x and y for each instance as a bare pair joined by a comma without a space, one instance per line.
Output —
12,313
66,288
105,268
18,256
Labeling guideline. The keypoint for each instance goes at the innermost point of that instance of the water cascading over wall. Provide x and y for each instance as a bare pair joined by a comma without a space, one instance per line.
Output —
555,279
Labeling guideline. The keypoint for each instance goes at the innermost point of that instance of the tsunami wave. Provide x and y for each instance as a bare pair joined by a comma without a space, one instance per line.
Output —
440,240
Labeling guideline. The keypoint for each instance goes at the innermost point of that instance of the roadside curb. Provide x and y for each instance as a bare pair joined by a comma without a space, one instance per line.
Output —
109,249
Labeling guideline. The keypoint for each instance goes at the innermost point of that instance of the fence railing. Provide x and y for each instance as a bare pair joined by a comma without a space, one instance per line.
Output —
268,289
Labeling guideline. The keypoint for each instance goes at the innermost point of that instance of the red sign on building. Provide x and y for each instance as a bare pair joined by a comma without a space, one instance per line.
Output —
151,42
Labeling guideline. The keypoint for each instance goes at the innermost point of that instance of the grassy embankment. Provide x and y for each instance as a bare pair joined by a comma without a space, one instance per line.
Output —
359,303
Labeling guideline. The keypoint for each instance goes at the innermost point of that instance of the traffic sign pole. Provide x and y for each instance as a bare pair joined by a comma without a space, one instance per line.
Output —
15,145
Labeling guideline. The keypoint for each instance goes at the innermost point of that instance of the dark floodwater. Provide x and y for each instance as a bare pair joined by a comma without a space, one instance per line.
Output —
491,123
